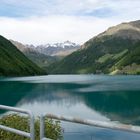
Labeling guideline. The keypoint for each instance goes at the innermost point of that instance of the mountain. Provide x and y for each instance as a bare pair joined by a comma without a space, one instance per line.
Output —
45,55
58,49
34,55
115,51
15,63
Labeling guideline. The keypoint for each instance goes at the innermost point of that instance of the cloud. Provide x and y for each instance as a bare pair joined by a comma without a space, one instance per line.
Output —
27,8
52,29
46,21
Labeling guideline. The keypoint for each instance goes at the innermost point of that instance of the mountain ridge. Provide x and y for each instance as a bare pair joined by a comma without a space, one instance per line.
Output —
57,49
108,52
45,55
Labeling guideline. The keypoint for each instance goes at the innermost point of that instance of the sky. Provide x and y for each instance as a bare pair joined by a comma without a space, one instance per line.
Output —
50,21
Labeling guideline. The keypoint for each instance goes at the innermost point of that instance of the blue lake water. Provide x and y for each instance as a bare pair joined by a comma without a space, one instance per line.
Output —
97,97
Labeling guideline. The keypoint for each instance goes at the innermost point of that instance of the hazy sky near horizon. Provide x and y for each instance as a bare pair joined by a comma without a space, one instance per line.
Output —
50,21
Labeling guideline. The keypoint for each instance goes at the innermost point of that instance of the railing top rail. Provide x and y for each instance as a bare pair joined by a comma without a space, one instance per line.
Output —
102,124
16,109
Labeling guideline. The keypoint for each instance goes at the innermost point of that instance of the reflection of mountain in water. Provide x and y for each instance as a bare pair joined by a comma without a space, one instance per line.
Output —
117,105
53,93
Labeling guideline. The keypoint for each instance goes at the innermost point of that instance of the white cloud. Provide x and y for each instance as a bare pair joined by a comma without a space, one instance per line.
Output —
39,30
47,21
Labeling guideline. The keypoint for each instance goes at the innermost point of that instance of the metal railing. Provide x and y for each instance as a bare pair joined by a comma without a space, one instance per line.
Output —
108,125
30,135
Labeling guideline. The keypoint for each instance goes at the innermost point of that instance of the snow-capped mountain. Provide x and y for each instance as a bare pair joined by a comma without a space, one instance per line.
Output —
45,55
62,45
56,49
63,49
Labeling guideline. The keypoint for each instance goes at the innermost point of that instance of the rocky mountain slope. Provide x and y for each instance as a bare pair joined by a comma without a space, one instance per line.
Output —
34,55
15,63
44,55
57,49
115,51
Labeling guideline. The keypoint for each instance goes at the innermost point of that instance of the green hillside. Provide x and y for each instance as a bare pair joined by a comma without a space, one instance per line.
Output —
115,51
40,59
14,63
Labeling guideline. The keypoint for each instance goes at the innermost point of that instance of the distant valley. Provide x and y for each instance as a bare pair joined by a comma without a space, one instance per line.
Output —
44,55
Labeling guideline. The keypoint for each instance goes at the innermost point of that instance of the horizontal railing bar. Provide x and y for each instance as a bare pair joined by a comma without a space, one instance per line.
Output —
19,132
46,139
101,124
15,109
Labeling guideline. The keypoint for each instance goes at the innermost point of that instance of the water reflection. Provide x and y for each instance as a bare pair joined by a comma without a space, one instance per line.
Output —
94,97
115,98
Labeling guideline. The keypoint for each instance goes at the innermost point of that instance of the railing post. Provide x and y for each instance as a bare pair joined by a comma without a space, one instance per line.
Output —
42,127
32,129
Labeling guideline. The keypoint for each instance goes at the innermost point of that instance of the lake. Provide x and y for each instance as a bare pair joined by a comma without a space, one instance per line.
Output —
97,97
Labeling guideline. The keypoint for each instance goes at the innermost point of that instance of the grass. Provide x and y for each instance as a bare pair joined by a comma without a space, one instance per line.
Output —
118,55
104,58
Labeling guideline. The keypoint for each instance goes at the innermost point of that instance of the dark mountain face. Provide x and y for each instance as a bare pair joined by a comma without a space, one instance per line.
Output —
15,63
114,51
